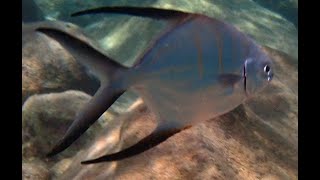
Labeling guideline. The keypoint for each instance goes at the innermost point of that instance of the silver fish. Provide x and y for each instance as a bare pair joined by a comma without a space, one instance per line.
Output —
197,69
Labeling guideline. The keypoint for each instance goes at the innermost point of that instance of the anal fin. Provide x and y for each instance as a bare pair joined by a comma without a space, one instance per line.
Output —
158,136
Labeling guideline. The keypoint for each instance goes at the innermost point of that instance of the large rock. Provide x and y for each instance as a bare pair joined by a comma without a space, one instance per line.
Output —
47,67
36,170
257,140
45,118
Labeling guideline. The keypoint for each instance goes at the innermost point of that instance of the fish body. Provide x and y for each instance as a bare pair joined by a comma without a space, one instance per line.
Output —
197,69
178,77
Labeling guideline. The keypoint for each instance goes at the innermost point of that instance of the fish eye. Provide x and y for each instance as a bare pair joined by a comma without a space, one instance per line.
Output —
266,69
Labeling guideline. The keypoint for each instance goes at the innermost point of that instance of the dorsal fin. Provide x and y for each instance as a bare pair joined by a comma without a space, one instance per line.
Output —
173,17
151,12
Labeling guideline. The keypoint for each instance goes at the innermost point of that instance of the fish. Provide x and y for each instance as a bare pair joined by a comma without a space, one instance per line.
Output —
197,69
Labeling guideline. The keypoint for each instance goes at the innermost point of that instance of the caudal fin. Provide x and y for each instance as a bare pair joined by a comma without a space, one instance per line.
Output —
108,71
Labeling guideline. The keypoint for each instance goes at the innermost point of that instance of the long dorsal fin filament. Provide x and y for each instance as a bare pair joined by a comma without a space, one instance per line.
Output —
151,12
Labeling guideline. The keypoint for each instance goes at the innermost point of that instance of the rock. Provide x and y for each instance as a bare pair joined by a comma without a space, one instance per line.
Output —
111,128
45,118
47,67
35,171
60,167
257,140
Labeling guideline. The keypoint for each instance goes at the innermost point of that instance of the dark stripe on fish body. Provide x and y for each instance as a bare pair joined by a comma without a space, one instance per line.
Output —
218,44
157,56
159,37
168,30
221,44
173,68
197,42
233,50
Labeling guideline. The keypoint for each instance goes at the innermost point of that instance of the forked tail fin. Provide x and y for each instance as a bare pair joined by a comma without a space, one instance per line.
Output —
109,72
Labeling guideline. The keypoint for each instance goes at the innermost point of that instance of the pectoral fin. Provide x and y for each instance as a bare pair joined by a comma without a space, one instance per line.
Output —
228,79
159,135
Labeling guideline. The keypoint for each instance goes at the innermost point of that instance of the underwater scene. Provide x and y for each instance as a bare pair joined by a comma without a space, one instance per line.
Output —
160,89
